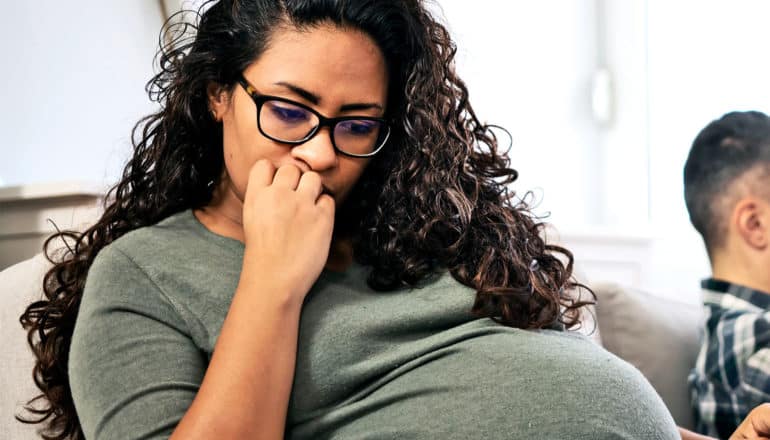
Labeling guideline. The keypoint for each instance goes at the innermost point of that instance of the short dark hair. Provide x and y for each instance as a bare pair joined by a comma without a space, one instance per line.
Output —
723,151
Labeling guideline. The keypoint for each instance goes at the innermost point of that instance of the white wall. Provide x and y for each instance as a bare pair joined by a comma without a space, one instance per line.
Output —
528,67
72,85
532,66
675,66
706,58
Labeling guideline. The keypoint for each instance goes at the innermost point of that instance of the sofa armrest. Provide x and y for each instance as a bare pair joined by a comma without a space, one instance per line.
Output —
20,285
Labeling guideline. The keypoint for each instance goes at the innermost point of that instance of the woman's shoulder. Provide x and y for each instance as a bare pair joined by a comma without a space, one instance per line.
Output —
146,255
176,261
173,240
170,229
129,259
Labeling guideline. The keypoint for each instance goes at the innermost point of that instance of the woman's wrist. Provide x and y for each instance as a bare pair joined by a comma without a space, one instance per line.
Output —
270,287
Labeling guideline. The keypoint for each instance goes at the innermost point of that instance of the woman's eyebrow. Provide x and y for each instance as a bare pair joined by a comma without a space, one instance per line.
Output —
315,99
309,96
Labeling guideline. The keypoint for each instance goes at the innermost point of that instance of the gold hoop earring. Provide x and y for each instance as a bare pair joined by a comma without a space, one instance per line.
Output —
214,115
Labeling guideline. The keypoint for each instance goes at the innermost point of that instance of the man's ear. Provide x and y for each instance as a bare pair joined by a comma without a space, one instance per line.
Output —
219,100
752,221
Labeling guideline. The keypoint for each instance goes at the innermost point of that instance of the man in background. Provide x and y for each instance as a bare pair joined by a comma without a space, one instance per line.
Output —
727,191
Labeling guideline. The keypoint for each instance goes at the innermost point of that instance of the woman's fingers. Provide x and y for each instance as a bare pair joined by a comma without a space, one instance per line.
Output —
326,205
288,224
310,185
262,173
287,176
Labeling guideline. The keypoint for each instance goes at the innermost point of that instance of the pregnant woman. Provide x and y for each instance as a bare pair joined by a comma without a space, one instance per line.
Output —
315,238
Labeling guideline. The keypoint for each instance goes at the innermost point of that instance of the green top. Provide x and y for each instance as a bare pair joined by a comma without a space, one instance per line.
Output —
410,364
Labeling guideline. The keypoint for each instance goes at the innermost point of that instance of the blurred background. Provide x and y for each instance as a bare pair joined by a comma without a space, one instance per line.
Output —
602,98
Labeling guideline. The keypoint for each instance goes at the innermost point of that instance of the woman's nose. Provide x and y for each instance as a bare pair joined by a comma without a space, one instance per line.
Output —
318,152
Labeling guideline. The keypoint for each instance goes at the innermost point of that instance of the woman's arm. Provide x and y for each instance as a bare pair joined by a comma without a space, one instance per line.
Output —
246,389
135,371
287,227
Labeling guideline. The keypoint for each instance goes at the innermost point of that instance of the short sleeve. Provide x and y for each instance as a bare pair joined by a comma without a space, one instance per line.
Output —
133,368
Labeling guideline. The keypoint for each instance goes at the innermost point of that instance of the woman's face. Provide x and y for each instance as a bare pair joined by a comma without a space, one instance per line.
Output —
335,71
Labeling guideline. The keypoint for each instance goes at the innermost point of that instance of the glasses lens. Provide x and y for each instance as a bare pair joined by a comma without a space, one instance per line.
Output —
360,136
286,122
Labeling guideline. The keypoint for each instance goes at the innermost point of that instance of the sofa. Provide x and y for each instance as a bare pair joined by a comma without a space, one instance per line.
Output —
658,336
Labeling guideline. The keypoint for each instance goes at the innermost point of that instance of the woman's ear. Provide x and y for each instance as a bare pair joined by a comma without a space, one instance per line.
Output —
752,222
219,100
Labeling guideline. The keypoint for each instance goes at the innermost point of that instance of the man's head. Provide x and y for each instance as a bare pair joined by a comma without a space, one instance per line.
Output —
727,184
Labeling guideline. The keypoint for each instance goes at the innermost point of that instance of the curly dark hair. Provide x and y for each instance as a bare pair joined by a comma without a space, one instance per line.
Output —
437,198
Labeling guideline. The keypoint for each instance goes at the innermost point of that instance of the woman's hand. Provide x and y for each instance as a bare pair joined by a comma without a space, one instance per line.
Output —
756,425
288,224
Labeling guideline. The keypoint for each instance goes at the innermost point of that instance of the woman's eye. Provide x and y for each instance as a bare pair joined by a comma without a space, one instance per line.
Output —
360,128
289,114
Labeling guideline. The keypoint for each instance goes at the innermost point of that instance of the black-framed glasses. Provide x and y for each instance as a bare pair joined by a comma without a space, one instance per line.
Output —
290,122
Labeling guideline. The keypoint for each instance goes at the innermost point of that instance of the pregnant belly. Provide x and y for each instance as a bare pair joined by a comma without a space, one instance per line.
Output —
507,385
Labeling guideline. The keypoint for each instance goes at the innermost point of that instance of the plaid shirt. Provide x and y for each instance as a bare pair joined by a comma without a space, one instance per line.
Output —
732,373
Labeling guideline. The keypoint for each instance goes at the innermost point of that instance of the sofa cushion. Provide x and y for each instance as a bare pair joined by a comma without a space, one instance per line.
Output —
658,336
20,285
